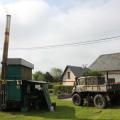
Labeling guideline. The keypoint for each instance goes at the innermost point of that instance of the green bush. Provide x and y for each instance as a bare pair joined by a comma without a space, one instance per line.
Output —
50,86
51,91
89,72
61,89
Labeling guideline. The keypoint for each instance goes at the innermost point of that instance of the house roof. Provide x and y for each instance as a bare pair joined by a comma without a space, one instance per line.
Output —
19,61
106,62
77,71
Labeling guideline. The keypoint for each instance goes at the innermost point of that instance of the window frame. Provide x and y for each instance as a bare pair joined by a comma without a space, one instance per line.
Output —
68,75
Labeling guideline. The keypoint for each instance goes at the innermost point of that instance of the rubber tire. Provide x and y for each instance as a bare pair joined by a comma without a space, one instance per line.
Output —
77,100
100,98
3,107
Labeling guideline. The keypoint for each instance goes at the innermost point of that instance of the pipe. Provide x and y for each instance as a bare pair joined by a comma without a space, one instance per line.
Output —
5,48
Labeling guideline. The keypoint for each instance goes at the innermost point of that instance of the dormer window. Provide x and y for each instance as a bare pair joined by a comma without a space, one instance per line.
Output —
68,75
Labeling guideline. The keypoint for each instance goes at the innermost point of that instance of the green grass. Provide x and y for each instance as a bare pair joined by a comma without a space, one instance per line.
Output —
65,111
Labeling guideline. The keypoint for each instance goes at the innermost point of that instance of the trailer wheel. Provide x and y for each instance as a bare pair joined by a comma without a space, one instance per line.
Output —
77,99
100,101
3,107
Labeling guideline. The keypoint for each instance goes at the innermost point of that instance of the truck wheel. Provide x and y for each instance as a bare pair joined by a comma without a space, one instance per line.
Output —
77,99
99,101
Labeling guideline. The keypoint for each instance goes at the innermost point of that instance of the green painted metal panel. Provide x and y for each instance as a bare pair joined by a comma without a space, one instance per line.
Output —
18,72
13,72
13,91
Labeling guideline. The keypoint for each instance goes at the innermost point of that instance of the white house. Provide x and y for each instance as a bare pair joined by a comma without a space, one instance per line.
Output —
70,74
109,65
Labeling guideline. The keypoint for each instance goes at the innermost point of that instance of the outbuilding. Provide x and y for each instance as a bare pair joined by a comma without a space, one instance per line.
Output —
70,74
109,65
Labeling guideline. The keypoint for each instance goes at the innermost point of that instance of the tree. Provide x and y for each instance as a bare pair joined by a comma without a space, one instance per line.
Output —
48,77
94,73
38,76
56,73
88,72
53,76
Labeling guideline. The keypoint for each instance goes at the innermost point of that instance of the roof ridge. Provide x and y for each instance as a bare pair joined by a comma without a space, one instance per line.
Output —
106,62
110,54
73,66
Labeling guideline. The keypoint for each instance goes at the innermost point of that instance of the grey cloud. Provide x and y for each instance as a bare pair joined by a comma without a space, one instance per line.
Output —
55,26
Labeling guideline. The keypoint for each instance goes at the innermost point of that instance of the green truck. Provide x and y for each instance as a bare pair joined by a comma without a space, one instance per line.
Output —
93,89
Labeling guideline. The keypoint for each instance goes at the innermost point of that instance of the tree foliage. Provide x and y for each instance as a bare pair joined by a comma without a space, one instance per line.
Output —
56,73
48,77
53,76
39,76
88,72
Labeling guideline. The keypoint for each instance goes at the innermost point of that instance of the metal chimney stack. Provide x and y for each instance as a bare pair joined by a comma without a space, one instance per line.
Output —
5,48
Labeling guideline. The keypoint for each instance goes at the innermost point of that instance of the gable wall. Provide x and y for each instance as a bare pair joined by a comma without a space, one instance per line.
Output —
114,74
66,81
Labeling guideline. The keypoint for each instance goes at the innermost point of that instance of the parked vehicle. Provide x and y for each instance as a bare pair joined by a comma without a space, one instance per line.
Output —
96,90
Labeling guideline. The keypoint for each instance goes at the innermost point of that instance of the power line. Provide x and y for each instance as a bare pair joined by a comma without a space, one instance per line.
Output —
107,39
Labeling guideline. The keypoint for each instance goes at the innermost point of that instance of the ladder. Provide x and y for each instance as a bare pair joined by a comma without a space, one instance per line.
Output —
47,97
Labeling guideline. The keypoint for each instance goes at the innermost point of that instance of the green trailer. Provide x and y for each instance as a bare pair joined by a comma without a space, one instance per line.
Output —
21,92
26,95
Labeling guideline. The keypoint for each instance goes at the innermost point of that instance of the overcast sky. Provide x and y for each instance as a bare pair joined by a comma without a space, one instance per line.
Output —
50,22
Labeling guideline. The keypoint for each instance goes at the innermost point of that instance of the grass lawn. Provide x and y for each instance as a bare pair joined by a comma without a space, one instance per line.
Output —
65,111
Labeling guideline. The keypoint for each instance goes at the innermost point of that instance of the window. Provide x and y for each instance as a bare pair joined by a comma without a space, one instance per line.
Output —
68,75
111,80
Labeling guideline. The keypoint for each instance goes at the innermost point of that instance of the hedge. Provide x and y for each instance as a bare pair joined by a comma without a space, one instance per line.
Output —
51,91
50,86
61,89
